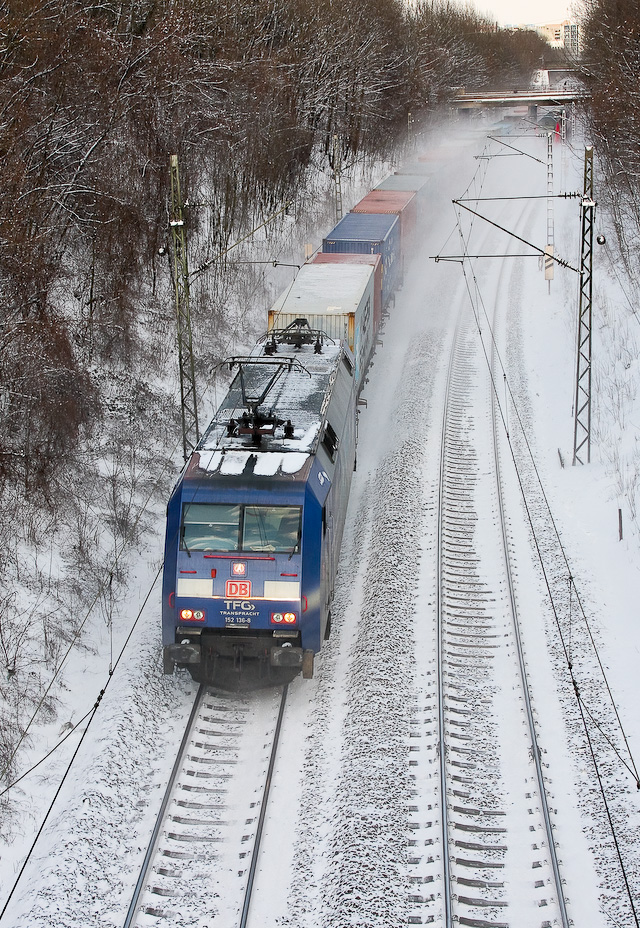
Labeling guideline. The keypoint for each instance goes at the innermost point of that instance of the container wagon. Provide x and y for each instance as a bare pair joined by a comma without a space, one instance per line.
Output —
337,299
413,182
401,203
374,261
370,234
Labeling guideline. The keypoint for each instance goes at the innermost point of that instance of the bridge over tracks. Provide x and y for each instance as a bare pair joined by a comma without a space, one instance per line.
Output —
469,101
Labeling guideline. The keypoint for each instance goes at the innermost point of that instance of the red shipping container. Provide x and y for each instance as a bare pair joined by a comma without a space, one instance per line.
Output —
402,203
374,260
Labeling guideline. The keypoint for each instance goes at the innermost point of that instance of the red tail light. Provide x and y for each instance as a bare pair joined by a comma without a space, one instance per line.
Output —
283,618
191,615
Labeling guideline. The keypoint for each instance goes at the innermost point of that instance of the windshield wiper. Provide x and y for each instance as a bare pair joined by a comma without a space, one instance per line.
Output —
297,544
183,540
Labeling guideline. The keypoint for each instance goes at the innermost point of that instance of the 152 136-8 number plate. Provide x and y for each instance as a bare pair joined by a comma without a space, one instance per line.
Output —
235,620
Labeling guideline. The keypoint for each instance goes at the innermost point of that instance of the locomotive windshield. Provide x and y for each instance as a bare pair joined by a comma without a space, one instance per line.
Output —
224,527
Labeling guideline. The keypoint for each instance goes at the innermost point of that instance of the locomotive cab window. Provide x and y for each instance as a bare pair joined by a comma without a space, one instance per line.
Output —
223,527
210,527
271,528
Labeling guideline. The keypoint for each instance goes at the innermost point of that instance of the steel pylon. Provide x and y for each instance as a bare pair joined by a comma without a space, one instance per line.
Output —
582,407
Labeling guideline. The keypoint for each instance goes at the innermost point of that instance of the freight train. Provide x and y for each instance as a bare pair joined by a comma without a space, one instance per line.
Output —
255,521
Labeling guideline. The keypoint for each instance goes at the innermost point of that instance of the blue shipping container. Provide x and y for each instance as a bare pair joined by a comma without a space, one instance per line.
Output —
370,234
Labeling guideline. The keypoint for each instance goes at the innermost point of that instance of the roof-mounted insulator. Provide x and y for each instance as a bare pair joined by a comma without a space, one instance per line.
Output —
288,429
318,346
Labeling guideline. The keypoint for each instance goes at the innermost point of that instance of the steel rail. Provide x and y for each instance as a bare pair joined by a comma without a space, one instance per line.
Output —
535,749
263,812
524,680
177,766
442,749
502,539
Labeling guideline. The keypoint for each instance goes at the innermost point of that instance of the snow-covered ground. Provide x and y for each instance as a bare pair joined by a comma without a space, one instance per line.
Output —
337,835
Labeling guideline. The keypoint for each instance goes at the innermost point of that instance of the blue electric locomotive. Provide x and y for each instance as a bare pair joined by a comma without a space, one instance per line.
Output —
255,522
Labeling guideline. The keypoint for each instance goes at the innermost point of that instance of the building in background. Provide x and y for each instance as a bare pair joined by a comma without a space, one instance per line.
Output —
553,33
559,35
571,37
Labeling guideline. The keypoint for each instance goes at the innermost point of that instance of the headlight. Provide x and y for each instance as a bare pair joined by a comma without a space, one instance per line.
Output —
191,615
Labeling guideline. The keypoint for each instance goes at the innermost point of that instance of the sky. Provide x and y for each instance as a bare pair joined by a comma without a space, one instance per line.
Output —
538,12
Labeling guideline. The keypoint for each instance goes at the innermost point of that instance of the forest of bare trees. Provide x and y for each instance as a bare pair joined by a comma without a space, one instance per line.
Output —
610,67
94,97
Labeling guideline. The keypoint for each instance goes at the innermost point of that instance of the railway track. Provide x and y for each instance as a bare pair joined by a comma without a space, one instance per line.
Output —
499,860
203,854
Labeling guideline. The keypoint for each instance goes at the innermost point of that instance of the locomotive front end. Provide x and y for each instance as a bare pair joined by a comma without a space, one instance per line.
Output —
236,607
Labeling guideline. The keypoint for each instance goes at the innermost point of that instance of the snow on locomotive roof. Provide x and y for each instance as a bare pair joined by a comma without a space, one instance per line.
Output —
266,464
299,396
323,289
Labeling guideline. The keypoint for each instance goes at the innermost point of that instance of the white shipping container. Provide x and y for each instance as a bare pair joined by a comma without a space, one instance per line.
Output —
336,298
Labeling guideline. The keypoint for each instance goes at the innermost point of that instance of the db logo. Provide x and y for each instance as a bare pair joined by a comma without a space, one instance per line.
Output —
237,589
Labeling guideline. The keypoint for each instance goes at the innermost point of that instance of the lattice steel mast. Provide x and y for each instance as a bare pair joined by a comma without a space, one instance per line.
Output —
189,409
337,177
548,257
582,408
